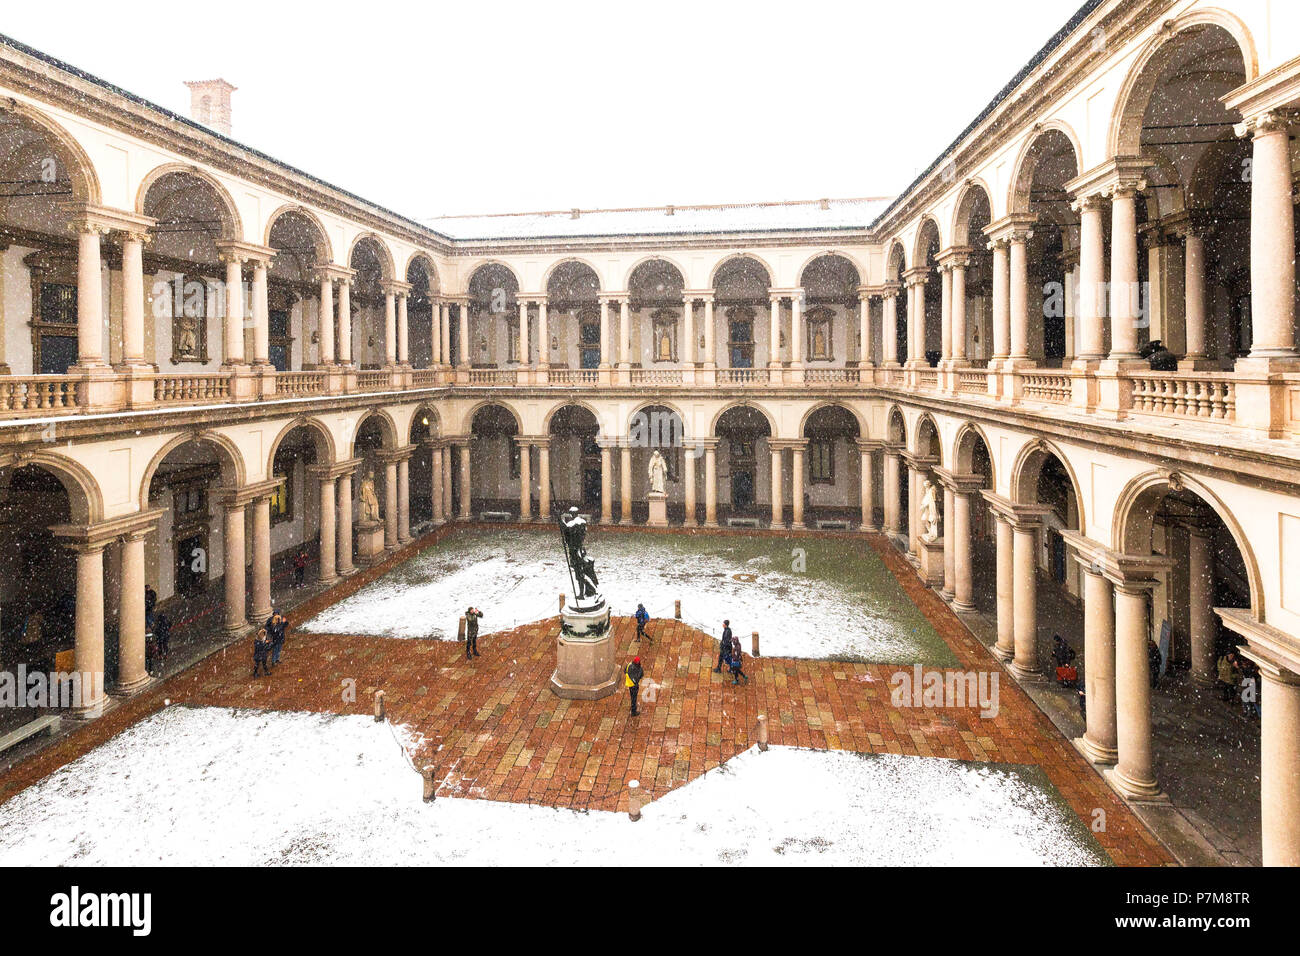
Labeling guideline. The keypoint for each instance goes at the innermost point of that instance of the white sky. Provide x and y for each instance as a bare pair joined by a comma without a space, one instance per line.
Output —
469,107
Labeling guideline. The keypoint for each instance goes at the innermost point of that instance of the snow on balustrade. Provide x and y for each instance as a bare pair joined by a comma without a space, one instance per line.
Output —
1187,396
191,388
32,393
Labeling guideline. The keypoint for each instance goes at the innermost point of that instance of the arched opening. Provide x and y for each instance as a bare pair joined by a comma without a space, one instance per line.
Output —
930,334
423,435
743,484
896,493
927,455
493,317
971,460
573,312
495,460
295,506
655,295
833,485
656,428
740,295
293,290
370,345
896,350
420,312
575,459
974,213
831,334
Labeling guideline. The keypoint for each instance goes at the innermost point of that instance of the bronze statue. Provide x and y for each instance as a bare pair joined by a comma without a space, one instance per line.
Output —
582,569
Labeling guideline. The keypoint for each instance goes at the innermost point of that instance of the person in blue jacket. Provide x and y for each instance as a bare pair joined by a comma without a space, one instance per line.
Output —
642,619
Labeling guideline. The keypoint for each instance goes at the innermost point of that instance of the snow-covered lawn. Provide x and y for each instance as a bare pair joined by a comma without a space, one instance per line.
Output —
216,786
810,598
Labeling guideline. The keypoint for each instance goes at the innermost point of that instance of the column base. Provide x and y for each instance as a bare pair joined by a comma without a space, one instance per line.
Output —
237,630
963,607
91,712
1135,791
348,571
132,688
1095,753
1027,674
261,614
1004,654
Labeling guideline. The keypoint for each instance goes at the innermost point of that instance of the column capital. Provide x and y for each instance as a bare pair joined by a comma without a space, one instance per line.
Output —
1127,571
955,257
915,276
329,272
1267,121
1188,222
1273,650
234,250
246,494
960,484
1020,516
1016,227
694,294
614,297
395,287
793,444
870,444
1117,176
535,440
918,462
395,455
95,537
88,217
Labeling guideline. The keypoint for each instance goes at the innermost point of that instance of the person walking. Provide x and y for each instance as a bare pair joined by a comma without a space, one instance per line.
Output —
261,650
162,637
642,619
300,568
276,626
735,661
724,646
632,681
472,615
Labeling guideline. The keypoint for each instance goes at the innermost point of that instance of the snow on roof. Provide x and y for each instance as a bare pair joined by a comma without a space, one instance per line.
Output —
667,220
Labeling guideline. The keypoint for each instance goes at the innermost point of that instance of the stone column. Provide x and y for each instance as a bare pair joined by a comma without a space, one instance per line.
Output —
1092,279
913,506
892,494
261,608
1194,296
404,500
1005,648
796,331
796,482
132,673
446,482
391,504
606,485
688,479
774,332
525,481
864,329
343,529
958,354
1272,238
867,494
916,319
624,334
261,315
435,334
90,311
1200,601
435,484
88,656
1124,290
945,313
1279,765
133,298
1018,294
963,588
543,340
233,569
711,485
234,323
1025,585
1133,775
1098,742
390,328
688,335
604,334
327,574
325,321
403,332
544,478
522,352
889,329
778,494
625,482
710,352
1001,300
445,355
949,543
462,339
466,499
345,321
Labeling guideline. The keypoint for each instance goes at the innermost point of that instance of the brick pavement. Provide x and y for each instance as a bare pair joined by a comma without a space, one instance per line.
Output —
492,729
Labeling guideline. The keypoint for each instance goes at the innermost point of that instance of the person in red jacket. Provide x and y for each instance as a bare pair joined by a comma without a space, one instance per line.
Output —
632,680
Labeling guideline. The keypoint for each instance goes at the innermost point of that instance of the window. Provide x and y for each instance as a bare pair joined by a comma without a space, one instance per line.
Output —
819,334
282,500
664,343
740,336
589,339
512,338
821,462
279,339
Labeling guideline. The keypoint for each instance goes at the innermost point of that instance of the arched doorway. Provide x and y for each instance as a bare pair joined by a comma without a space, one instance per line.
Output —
495,460
575,459
833,483
744,434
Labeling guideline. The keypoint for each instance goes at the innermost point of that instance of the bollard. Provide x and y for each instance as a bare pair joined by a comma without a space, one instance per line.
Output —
460,629
634,800
677,609
762,732
427,774
753,644
561,602
379,706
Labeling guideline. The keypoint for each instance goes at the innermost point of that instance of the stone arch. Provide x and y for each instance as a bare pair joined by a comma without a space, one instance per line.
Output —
430,269
1018,199
644,260
231,225
759,260
85,499
484,264
1028,466
928,225
1135,511
1124,137
965,208
963,450
387,428
895,425
435,419
927,429
232,460
896,260
473,410
818,406
81,170
324,250
566,403
650,403
829,254
324,440
383,254
756,406
554,266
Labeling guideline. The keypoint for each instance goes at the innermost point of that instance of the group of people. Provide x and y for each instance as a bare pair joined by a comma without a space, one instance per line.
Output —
730,656
1236,676
268,643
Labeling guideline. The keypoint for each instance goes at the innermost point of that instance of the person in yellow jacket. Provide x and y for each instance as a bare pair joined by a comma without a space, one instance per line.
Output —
632,681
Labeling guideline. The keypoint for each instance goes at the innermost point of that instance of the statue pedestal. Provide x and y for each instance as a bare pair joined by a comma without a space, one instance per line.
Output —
369,536
658,510
585,667
931,555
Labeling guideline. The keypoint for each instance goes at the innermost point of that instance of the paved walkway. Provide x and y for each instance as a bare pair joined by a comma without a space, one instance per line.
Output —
491,729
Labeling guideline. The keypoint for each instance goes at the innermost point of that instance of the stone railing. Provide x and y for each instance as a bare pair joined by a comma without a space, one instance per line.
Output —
974,382
37,393
656,376
927,378
374,381
890,376
492,376
1051,387
573,376
170,389
742,376
1193,395
425,377
290,384
832,376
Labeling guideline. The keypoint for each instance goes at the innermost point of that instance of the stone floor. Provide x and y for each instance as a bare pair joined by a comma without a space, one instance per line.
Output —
491,729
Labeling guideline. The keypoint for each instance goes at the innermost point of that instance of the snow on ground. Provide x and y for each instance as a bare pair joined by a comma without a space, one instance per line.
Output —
807,597
216,786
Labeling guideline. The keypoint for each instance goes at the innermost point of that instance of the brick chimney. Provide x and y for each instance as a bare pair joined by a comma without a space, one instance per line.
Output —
210,103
